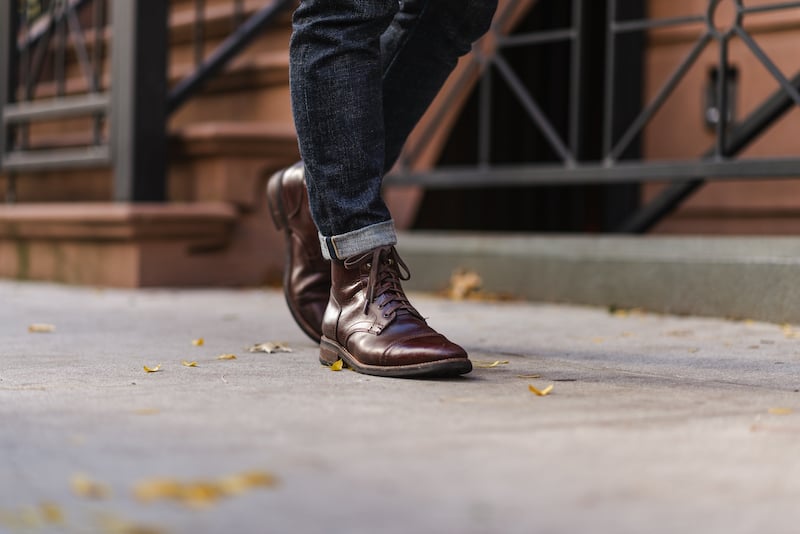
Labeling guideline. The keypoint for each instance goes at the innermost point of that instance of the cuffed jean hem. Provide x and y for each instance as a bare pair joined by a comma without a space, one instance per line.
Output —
358,241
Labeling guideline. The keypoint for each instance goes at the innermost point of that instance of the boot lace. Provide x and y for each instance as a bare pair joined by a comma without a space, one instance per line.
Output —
386,272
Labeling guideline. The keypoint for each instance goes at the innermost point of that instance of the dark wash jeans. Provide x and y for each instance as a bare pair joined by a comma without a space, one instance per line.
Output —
362,73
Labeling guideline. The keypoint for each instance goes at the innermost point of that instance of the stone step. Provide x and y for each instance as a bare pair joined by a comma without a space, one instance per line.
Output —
138,245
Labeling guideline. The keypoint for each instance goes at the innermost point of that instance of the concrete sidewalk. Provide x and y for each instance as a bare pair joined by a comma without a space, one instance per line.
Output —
655,423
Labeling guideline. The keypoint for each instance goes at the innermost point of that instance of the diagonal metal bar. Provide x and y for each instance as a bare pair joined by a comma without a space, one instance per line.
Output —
661,97
539,37
412,153
768,64
231,46
37,62
533,110
739,138
80,45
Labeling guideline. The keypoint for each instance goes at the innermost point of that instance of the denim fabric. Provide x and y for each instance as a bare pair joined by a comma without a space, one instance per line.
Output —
362,73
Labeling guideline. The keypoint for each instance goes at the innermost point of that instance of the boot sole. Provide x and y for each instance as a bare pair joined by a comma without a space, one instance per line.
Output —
330,352
281,221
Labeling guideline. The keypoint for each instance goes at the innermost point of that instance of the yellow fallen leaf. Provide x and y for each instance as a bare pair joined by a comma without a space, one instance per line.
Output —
238,484
201,493
780,411
41,328
541,393
226,357
188,364
157,488
270,347
83,486
155,369
199,342
337,365
51,513
529,376
488,364
464,283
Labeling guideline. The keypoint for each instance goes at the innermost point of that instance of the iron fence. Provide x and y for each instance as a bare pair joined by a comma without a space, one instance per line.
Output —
720,161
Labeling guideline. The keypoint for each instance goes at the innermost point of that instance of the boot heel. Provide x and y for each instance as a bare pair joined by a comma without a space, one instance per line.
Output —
328,354
274,199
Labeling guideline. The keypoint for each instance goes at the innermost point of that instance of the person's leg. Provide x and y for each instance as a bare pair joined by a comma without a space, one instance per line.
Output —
336,61
417,51
337,99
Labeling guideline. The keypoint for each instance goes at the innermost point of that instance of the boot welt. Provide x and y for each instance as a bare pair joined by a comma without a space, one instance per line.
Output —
330,351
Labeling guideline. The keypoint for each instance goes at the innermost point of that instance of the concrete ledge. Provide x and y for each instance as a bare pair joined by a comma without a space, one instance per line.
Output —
734,277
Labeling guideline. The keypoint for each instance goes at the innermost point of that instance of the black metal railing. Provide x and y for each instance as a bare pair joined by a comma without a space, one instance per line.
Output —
125,107
568,164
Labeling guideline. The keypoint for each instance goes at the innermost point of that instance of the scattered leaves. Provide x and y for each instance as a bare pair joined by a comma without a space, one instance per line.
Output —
541,392
155,369
83,486
463,283
51,513
199,342
270,347
41,328
617,311
188,364
226,357
481,364
337,365
201,493
789,332
780,411
467,285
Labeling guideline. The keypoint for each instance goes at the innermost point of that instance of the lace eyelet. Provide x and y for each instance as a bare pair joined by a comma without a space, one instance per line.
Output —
385,315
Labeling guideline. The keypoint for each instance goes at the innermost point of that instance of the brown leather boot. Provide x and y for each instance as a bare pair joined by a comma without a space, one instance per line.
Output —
307,275
374,329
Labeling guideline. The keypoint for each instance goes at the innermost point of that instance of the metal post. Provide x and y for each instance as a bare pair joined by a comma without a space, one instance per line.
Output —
139,89
9,19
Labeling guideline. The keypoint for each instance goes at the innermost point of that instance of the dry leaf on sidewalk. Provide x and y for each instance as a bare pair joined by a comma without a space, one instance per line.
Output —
482,364
337,365
270,347
463,283
199,342
226,357
188,364
780,411
155,369
41,328
201,493
541,393
83,486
